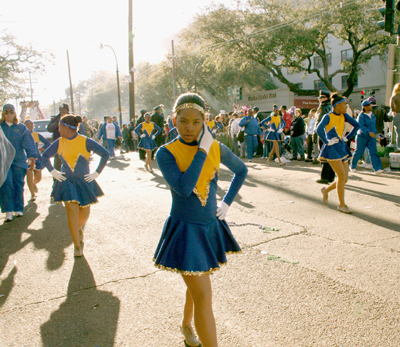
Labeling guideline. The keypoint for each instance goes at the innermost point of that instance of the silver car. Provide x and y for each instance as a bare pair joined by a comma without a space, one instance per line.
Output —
41,128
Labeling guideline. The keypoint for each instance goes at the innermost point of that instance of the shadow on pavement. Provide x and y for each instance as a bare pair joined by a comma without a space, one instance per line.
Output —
88,316
375,194
118,164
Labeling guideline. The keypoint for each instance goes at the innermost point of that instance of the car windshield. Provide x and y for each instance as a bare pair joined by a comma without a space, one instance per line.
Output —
41,126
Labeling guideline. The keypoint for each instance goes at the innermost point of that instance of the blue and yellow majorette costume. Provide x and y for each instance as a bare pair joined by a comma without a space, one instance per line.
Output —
149,129
74,153
173,133
276,123
194,241
331,126
46,144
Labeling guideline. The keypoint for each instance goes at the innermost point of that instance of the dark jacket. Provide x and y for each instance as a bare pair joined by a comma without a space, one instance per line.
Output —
323,109
158,119
381,117
298,127
53,126
140,120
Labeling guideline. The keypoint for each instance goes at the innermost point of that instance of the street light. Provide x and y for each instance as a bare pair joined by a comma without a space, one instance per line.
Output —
119,92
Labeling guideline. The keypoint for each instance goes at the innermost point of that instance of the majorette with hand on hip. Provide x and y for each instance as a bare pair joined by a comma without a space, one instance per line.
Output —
335,151
196,237
75,185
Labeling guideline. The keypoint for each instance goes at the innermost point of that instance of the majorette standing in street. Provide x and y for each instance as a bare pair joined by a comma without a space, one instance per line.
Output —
148,131
196,237
33,177
274,132
366,138
75,185
335,151
12,190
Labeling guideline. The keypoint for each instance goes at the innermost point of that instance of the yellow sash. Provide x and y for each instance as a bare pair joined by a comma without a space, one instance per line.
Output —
184,155
336,121
35,137
211,124
148,127
71,150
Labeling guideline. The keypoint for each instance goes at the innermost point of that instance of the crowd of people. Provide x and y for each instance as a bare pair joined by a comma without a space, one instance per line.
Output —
189,157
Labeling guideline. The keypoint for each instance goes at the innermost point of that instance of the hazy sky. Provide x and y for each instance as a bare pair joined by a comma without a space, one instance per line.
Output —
80,26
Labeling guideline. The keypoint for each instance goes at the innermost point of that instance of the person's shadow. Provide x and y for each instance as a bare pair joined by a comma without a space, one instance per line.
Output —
88,317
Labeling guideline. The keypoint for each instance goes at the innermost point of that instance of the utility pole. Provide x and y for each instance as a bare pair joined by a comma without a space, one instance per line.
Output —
174,68
70,85
131,68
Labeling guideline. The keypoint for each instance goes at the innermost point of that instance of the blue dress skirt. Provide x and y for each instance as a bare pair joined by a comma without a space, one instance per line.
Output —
273,136
147,143
338,151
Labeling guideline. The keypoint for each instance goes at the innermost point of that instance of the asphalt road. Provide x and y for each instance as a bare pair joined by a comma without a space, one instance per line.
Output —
311,277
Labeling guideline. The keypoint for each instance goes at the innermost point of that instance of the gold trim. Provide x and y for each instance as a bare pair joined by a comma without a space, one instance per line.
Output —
203,201
92,203
145,149
345,158
190,105
193,273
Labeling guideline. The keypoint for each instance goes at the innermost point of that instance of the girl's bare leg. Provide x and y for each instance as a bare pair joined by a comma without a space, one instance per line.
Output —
272,152
276,145
201,292
84,213
38,176
148,159
72,209
29,180
342,171
188,310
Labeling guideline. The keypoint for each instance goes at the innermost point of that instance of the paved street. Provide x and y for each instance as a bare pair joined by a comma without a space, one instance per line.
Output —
321,278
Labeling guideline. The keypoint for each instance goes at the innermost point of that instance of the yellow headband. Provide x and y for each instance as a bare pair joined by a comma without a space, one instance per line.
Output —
190,105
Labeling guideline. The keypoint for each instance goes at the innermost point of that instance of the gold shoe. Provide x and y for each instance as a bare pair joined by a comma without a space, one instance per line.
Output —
344,209
324,196
78,252
190,336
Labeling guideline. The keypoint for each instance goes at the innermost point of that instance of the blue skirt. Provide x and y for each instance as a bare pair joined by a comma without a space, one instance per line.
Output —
194,249
338,151
80,191
147,143
273,136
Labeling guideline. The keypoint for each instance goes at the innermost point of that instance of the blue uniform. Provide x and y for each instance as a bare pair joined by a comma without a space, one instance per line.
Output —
12,190
173,133
194,241
46,144
364,140
252,129
149,129
74,154
110,142
332,126
275,123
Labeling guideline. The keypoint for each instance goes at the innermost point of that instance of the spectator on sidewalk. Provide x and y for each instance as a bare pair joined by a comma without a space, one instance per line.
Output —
297,132
395,105
311,121
110,131
287,117
252,130
235,128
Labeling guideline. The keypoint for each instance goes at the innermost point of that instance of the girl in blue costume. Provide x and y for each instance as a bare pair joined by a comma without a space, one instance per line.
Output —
34,176
12,190
335,151
147,132
196,237
75,185
274,132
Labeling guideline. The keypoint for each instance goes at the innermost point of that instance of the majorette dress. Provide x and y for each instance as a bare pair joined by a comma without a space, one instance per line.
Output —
331,126
194,241
276,123
46,144
74,154
149,129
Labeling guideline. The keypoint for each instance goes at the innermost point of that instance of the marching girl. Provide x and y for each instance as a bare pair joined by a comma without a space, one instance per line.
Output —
34,176
75,185
196,237
274,132
12,190
335,151
213,125
147,132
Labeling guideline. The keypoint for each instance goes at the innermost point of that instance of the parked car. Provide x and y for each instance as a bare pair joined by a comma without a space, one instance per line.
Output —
41,128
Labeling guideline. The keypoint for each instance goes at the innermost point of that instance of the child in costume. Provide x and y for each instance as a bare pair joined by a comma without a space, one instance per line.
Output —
196,237
75,185
147,132
274,132
34,176
335,151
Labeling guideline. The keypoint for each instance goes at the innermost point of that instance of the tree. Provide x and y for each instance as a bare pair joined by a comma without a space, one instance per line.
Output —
15,61
281,36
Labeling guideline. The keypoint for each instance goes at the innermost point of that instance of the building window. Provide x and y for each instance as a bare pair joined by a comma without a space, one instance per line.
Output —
347,55
344,82
320,85
318,61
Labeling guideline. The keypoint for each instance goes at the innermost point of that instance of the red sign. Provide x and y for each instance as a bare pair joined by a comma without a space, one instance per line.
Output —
306,102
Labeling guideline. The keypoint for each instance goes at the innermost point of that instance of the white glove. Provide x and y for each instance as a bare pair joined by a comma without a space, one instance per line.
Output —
345,139
143,135
206,140
222,210
59,176
153,137
271,130
92,176
214,131
333,141
280,131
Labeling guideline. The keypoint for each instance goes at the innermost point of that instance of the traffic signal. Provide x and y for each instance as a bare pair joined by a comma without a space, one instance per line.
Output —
362,94
388,13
